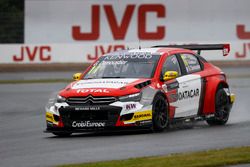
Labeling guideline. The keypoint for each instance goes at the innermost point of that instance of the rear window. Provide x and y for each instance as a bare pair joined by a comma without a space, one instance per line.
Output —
191,63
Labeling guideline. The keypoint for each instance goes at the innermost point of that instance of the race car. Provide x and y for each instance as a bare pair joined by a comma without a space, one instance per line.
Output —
143,88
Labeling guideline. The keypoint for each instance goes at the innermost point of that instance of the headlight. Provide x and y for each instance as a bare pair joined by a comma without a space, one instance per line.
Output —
54,99
60,99
131,97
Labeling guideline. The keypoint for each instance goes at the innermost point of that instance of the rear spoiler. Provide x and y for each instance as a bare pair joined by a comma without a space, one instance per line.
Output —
199,47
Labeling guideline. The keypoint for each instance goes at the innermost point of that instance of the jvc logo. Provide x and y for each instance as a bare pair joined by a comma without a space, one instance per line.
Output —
242,34
119,28
41,53
130,106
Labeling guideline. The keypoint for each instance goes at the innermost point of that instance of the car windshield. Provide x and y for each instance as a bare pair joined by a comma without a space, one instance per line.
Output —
126,65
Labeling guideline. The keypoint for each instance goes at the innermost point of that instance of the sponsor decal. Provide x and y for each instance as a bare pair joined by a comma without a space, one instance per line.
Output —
141,116
119,32
49,117
188,94
119,62
130,55
92,91
130,106
87,108
29,53
101,85
89,124
102,82
244,53
101,50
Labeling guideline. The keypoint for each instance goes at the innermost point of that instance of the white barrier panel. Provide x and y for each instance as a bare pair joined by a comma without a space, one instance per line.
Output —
87,53
80,31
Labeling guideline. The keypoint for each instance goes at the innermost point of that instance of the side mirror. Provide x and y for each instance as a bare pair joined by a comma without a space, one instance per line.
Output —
77,76
170,75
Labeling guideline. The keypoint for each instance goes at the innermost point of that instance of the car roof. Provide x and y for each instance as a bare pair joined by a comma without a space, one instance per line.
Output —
153,51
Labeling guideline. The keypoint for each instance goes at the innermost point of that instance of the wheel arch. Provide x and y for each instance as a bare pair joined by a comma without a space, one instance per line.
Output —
222,84
213,84
170,110
160,93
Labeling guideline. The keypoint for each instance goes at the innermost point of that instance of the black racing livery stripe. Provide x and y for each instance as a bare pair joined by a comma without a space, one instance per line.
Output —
202,96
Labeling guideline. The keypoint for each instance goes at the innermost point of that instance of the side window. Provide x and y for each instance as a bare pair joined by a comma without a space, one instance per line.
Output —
191,63
171,64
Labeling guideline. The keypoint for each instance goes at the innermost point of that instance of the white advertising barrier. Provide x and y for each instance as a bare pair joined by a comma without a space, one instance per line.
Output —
80,31
110,21
87,53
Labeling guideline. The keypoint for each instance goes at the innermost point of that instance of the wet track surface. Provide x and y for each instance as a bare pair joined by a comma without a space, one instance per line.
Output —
23,143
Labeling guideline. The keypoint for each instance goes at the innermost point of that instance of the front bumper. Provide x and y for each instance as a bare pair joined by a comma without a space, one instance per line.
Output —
89,116
108,129
118,116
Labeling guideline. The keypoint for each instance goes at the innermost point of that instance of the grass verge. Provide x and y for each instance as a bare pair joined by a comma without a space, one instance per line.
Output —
211,158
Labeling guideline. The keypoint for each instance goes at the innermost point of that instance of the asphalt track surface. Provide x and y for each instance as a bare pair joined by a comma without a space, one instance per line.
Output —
23,143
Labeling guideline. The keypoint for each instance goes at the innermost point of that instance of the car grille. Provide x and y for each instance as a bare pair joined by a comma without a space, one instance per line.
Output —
91,100
110,114
89,115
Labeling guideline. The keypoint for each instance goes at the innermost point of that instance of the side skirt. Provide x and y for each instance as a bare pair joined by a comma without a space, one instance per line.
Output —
190,119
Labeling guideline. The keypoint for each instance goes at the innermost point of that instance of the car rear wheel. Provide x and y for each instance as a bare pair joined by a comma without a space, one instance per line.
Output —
62,134
222,108
160,113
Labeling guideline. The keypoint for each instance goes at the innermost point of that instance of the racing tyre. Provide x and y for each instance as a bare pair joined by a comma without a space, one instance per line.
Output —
62,134
222,108
160,113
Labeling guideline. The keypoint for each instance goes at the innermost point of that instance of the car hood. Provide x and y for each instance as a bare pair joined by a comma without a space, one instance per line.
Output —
102,83
102,87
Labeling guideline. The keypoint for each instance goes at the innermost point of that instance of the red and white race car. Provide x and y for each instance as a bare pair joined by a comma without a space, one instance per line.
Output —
146,88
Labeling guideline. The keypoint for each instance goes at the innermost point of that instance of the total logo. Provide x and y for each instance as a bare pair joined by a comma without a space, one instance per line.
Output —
92,91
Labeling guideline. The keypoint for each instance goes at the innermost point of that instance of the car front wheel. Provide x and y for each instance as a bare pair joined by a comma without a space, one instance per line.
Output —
160,113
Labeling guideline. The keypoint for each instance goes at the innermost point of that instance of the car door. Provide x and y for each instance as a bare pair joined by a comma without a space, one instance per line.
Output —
189,90
183,92
171,87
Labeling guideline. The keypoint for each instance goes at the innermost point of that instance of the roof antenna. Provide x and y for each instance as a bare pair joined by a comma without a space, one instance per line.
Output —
139,44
